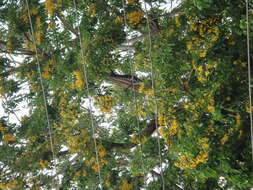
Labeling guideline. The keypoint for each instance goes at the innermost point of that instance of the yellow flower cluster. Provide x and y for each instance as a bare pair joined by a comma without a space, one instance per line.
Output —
93,164
105,103
2,128
186,162
8,137
168,128
203,142
134,18
136,140
126,185
44,163
10,185
101,151
224,139
118,20
77,142
10,46
80,173
177,21
143,89
45,73
39,32
50,7
162,120
131,2
203,71
208,33
79,82
92,9
241,63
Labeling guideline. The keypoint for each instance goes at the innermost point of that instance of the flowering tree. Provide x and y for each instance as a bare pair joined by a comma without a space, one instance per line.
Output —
179,72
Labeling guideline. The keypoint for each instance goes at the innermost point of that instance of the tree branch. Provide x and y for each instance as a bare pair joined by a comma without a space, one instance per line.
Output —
65,24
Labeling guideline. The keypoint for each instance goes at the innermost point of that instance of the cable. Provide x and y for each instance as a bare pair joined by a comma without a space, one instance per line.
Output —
133,90
249,76
154,95
88,93
41,82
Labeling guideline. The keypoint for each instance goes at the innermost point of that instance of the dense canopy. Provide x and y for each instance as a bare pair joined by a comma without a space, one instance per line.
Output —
149,94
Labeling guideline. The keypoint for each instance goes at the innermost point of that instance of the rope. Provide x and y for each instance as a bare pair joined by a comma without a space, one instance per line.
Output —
154,96
134,93
249,76
89,98
41,82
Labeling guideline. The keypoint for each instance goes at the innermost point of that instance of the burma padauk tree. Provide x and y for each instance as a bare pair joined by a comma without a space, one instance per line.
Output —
199,61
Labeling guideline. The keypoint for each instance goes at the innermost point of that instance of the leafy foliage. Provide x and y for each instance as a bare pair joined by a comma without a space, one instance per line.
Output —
199,62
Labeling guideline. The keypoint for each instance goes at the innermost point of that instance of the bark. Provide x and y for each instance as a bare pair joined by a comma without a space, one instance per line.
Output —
125,81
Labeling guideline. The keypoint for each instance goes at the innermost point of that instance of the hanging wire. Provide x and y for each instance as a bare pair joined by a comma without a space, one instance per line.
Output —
41,81
89,98
154,95
249,76
42,87
133,90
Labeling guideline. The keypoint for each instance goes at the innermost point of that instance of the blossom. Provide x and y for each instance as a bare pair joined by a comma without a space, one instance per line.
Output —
8,137
50,7
211,108
79,82
224,139
131,2
92,9
135,17
44,163
126,185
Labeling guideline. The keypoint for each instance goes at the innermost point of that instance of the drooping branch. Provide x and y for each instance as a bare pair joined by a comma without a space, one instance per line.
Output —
125,81
18,51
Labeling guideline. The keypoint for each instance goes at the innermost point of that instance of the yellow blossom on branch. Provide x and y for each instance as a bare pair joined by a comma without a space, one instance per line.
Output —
9,138
135,17
79,82
92,9
131,2
224,139
126,185
50,7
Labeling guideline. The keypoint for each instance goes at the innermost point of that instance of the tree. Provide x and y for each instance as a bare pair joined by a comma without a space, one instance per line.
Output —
199,62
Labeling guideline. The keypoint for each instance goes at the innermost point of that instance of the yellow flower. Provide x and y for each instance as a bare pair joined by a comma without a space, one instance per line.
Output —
162,120
135,17
38,37
79,82
211,109
177,21
34,11
238,119
105,104
131,2
173,127
44,163
202,53
126,185
38,22
118,20
9,138
224,139
101,151
50,7
189,45
45,73
92,9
